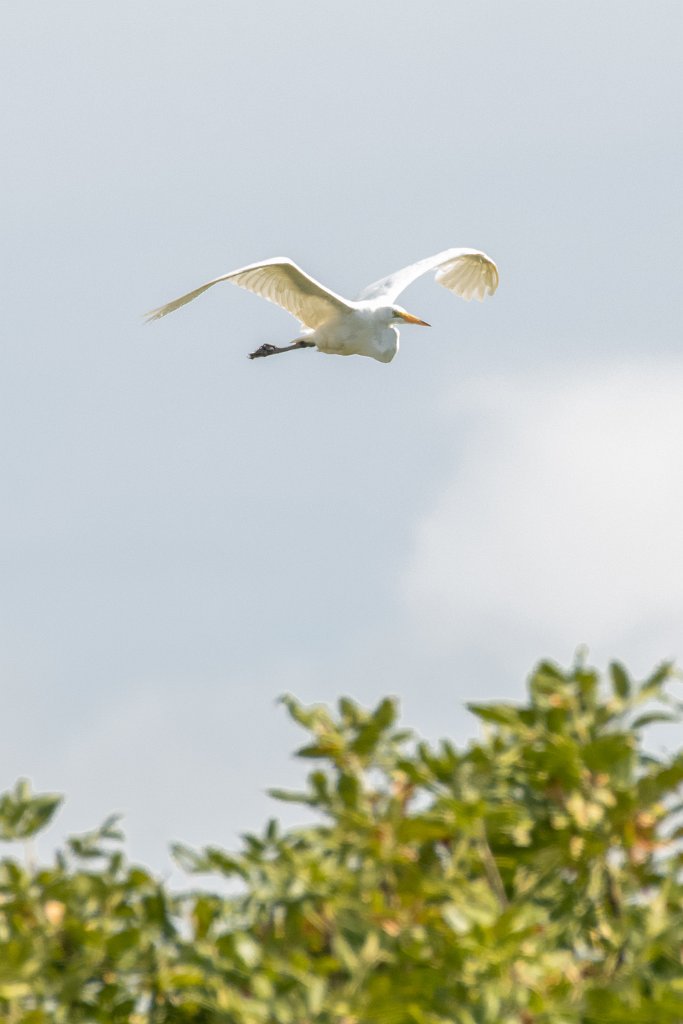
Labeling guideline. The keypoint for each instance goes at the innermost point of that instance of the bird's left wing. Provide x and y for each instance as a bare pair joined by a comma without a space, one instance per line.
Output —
469,273
278,280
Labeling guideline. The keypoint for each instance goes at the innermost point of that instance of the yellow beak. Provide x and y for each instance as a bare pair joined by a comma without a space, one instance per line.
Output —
410,319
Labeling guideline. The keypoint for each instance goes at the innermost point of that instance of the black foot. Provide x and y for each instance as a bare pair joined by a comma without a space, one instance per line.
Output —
270,350
264,350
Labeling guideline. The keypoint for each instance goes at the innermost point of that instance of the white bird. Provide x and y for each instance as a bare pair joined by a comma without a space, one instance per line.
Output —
364,327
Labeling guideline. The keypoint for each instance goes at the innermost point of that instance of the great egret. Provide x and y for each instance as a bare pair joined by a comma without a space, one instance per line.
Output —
365,327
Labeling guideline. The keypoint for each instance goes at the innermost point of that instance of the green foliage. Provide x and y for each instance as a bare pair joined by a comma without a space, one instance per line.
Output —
22,815
534,877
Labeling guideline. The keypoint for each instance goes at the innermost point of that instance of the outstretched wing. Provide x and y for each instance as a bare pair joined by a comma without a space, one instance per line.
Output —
278,280
469,273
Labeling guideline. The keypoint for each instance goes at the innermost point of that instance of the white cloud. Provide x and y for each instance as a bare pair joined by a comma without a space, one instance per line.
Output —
562,523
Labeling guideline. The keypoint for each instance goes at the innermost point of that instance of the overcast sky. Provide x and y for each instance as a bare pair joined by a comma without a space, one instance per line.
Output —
184,534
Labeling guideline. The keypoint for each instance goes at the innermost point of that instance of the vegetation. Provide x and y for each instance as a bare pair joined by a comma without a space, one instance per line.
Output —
534,877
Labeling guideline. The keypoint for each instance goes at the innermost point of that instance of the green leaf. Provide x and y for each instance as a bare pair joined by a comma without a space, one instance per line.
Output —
653,686
652,717
287,796
608,751
620,680
496,714
88,845
323,749
662,781
123,942
23,815
349,789
423,829
385,714
187,859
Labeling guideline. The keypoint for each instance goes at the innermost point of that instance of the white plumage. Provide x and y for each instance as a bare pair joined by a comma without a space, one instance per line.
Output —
366,326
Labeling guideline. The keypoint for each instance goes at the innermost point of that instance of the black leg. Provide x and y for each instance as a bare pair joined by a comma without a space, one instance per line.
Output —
272,350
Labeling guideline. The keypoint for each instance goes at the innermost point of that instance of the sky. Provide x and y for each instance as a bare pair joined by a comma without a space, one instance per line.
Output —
184,534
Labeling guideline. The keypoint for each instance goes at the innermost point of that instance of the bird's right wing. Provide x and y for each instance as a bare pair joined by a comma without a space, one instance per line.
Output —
469,273
278,280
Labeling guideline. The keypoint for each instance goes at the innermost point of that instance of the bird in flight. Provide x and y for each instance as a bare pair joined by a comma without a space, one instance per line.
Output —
366,326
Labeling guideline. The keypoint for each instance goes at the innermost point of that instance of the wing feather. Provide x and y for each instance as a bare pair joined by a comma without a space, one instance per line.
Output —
469,273
278,280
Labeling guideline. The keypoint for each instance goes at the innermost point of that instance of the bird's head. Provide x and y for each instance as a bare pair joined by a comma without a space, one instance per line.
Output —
400,315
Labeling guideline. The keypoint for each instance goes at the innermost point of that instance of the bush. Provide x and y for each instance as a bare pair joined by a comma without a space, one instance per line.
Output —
531,878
